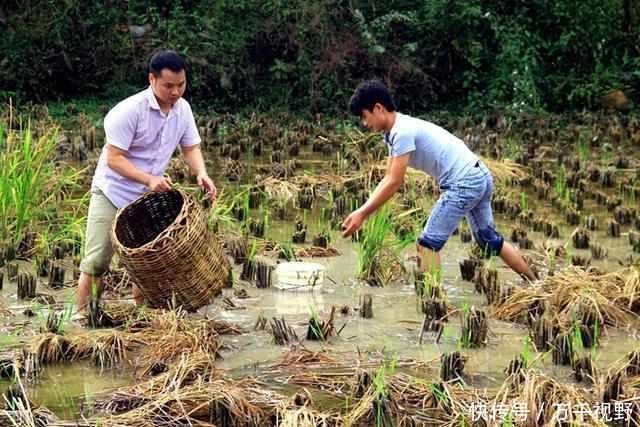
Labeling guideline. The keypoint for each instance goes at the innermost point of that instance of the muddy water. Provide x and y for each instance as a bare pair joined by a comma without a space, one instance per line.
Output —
394,328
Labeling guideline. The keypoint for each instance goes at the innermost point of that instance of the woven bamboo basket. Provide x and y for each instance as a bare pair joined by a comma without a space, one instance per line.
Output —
164,244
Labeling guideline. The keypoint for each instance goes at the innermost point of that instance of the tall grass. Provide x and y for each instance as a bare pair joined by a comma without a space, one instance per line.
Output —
29,181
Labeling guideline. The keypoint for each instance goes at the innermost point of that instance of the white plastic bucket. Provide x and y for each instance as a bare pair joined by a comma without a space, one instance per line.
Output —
299,276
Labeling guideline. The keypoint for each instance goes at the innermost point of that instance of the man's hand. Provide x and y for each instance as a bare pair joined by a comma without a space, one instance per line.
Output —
159,183
207,185
352,223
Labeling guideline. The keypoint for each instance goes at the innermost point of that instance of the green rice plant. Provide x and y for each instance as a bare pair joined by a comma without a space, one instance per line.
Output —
560,183
508,420
221,214
376,231
286,251
439,394
596,338
511,148
524,206
50,320
8,340
265,219
314,323
465,339
551,255
381,392
526,353
583,149
253,250
432,278
378,248
29,181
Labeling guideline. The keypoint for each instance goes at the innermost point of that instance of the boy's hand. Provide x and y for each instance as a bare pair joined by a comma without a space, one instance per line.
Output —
352,223
207,185
159,183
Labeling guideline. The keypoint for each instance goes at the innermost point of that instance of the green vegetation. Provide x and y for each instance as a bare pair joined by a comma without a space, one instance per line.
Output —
535,55
29,183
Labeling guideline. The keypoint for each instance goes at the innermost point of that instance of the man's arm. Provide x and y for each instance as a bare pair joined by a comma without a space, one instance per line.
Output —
117,161
193,158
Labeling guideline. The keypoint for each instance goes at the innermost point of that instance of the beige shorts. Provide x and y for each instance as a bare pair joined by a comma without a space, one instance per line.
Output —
98,249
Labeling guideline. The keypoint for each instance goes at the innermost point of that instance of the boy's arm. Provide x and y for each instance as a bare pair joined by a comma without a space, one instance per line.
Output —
387,187
396,169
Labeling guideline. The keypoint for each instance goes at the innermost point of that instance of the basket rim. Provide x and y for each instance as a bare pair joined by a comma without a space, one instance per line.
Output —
149,244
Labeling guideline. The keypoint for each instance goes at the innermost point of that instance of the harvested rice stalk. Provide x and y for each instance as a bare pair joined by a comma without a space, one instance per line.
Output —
584,370
109,348
613,387
219,402
222,327
317,252
542,395
169,336
516,371
632,367
51,348
190,369
568,293
303,417
282,333
321,330
299,356
542,331
563,351
452,366
474,327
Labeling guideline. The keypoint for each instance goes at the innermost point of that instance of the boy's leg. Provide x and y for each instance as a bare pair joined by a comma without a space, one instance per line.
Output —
428,260
98,249
443,220
512,257
480,219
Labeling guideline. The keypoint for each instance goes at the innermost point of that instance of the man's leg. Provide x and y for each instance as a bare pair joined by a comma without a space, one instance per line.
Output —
88,287
98,249
137,295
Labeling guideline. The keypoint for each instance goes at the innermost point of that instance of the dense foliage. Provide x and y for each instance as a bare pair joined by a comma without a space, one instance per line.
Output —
519,55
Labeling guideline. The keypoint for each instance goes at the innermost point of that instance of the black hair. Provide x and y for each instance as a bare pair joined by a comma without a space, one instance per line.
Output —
367,94
166,59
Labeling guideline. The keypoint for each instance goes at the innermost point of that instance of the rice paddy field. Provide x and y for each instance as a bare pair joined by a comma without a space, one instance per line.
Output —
378,343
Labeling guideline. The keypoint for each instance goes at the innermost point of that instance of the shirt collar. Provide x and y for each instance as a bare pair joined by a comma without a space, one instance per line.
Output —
153,103
388,135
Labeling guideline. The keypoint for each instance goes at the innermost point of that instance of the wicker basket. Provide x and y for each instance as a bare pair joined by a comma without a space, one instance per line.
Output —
164,244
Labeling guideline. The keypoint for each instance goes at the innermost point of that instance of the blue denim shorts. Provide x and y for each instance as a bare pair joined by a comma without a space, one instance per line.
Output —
469,197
